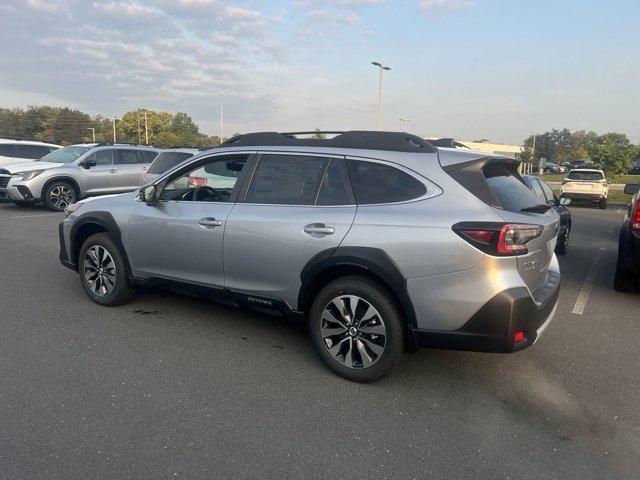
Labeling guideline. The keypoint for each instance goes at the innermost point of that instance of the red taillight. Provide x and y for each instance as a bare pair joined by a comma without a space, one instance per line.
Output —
634,219
519,337
482,236
512,238
499,239
197,182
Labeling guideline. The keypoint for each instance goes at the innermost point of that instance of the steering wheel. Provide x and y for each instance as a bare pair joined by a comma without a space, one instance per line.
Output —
205,194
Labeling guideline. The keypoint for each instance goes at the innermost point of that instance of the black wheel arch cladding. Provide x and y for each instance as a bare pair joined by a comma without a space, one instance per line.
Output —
107,223
373,262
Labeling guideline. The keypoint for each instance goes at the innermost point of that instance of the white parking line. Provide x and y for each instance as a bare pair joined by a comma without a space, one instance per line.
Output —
583,296
36,216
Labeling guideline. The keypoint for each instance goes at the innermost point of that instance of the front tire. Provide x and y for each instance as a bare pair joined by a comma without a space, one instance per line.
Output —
357,329
58,195
103,272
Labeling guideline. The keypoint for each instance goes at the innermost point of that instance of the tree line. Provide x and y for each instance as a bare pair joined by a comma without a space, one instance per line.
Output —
65,126
614,152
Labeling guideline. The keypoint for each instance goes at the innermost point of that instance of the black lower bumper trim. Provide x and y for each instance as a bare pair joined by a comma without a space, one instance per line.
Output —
493,327
64,259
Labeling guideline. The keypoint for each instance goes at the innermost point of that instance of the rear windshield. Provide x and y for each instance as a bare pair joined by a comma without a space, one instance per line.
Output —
166,160
508,188
586,176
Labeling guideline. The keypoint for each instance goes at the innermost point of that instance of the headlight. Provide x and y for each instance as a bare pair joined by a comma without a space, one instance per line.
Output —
71,208
29,175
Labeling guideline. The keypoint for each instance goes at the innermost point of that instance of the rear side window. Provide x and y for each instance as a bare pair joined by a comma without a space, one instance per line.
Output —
166,160
333,190
126,157
287,179
512,194
585,176
6,149
550,197
101,157
148,155
537,189
31,151
378,183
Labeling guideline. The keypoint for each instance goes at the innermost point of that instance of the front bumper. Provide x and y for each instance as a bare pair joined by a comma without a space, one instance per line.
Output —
494,326
65,257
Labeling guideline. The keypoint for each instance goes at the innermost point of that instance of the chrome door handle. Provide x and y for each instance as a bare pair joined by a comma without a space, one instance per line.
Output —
209,222
112,171
320,228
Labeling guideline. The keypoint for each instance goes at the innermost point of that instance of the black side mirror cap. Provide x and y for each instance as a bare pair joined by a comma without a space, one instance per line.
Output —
89,163
149,194
631,188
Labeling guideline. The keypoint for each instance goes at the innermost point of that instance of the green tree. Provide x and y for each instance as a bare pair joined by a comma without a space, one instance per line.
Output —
614,152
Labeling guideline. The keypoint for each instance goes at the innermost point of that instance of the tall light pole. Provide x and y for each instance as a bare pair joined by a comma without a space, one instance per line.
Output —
146,128
221,130
114,129
93,131
404,122
382,69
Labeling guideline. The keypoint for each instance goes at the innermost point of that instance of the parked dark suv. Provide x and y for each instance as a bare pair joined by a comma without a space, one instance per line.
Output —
628,265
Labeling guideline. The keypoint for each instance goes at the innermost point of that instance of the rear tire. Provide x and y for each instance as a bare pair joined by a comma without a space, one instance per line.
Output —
361,342
563,243
603,204
58,195
624,280
103,271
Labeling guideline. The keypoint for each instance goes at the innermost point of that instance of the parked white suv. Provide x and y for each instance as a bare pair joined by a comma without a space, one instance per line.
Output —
14,151
586,184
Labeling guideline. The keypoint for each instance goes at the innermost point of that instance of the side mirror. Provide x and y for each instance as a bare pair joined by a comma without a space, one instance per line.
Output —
631,188
565,201
149,194
89,163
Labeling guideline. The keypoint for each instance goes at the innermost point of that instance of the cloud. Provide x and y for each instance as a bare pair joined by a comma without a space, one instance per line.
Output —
334,19
440,8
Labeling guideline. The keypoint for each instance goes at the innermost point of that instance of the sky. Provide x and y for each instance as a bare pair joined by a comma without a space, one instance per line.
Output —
468,69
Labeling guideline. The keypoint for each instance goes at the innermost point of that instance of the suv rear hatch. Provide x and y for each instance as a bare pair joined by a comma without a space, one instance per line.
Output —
496,181
584,182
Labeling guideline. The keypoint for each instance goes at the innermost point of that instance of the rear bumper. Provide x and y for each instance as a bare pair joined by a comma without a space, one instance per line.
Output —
494,326
592,197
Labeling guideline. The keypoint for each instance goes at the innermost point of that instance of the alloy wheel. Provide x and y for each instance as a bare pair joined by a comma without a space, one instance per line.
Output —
353,331
99,270
61,196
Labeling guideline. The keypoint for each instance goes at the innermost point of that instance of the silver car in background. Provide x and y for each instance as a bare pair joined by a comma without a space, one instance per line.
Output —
166,160
14,151
378,240
70,173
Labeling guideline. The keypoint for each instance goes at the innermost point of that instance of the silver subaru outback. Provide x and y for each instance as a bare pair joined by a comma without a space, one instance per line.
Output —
380,241
70,173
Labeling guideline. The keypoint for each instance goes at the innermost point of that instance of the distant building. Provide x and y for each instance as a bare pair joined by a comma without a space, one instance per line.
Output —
513,151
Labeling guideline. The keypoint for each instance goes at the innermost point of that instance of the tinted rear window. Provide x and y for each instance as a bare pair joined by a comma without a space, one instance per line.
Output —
166,160
31,151
6,150
378,183
512,194
585,176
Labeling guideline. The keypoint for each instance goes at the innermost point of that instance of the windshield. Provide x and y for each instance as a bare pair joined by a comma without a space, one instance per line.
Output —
64,155
165,160
586,176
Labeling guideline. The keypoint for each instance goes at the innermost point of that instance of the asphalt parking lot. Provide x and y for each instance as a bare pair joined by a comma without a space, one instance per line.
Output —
174,387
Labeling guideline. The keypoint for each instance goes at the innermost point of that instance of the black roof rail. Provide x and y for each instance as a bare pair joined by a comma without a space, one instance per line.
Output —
111,144
364,139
